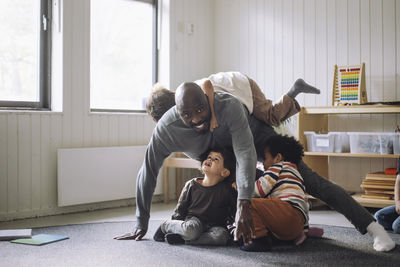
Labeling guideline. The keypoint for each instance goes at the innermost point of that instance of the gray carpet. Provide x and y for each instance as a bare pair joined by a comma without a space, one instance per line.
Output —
92,245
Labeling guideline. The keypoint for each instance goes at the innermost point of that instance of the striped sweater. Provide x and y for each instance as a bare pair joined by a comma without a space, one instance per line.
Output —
283,180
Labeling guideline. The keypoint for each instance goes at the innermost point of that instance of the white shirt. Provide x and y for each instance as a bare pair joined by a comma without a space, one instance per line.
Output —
234,83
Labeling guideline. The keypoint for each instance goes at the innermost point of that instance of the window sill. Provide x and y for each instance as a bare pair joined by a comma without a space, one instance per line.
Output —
29,111
117,112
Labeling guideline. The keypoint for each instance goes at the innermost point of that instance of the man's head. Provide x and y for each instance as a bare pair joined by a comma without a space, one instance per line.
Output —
282,148
193,107
219,161
160,101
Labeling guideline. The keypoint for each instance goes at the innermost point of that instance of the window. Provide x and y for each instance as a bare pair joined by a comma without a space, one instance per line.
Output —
122,54
25,54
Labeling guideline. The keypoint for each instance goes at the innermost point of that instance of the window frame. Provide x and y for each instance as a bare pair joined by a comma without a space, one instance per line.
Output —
154,59
44,69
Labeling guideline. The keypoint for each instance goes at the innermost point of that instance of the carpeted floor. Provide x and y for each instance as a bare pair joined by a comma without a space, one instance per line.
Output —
93,245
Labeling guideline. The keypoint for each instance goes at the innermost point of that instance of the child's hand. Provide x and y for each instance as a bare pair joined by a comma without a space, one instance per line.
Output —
398,207
234,186
213,123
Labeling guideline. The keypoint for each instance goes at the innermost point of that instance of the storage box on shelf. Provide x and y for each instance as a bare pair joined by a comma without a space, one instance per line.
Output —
373,143
331,142
316,119
396,143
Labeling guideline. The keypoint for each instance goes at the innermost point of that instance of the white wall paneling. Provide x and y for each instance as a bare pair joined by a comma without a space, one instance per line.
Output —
306,38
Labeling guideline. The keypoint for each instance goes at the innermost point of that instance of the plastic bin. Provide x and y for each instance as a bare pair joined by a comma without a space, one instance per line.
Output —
371,143
342,142
320,142
396,143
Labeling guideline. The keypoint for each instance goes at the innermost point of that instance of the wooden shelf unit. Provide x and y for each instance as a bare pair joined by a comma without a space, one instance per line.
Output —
317,119
373,203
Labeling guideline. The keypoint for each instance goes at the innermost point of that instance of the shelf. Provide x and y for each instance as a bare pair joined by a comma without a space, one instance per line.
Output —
353,155
317,119
362,109
372,203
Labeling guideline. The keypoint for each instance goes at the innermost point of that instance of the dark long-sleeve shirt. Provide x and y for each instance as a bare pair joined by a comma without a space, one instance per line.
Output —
211,204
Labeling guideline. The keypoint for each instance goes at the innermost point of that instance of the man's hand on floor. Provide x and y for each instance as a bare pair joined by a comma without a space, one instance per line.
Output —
244,222
137,235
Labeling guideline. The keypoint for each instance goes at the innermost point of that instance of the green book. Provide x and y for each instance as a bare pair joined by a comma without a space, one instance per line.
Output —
39,240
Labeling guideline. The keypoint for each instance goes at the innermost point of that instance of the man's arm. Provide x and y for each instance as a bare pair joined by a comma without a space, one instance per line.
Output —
246,159
157,150
243,147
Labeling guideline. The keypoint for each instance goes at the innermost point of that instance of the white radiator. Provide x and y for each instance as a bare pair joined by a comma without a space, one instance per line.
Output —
87,175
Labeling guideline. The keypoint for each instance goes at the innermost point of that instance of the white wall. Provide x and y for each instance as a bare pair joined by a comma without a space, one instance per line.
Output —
277,41
192,56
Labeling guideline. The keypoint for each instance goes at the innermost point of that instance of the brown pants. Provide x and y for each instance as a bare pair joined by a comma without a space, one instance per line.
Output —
265,110
276,216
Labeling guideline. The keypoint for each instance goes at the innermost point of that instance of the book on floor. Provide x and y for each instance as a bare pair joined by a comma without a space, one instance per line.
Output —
10,234
39,240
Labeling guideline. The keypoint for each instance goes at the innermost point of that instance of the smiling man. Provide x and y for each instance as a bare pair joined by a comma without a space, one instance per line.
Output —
193,107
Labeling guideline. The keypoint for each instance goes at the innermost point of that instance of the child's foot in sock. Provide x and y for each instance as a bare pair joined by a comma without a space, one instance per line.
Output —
300,239
382,241
300,86
159,236
174,239
316,232
257,245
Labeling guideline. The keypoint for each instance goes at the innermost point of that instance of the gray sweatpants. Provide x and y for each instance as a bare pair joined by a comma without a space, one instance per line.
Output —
317,186
194,232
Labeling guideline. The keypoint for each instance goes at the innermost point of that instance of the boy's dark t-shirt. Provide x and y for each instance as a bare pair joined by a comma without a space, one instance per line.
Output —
213,205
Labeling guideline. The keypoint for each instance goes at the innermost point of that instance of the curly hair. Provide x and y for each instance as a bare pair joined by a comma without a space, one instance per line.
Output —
160,101
290,149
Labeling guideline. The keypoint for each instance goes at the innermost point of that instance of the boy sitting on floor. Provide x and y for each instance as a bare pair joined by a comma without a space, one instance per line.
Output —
204,205
279,206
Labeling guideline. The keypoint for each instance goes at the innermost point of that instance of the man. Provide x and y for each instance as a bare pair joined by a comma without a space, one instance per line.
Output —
185,128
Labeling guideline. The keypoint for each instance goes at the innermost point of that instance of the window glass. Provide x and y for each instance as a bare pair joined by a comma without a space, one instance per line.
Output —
19,50
121,54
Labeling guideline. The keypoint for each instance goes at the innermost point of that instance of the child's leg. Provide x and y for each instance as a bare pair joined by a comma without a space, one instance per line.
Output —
300,239
189,229
396,225
280,218
300,86
275,216
270,113
386,217
215,236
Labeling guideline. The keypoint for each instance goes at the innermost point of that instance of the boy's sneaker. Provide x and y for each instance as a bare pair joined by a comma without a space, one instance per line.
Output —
174,239
159,236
